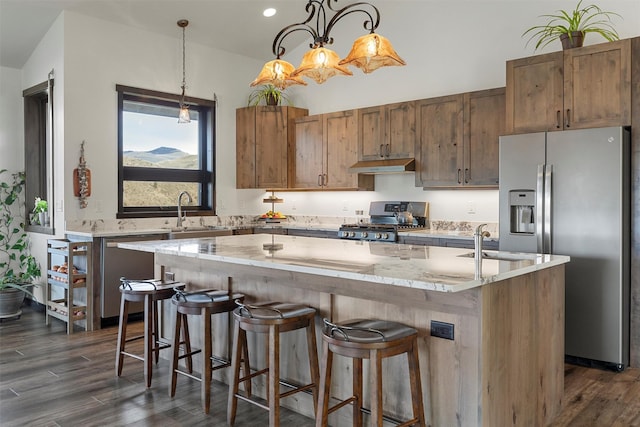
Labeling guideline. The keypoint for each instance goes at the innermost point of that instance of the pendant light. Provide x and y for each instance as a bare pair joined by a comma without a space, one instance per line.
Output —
368,52
183,116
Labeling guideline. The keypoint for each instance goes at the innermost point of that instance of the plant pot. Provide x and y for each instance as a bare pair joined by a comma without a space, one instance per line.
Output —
43,218
271,99
576,40
11,302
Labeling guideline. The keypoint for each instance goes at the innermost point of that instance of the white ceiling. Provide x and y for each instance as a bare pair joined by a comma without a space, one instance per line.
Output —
233,25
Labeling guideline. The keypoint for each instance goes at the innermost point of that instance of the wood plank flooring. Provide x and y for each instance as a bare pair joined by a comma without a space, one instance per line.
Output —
48,378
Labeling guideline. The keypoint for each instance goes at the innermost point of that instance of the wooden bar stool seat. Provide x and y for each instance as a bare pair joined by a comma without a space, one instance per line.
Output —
271,318
202,303
374,340
149,292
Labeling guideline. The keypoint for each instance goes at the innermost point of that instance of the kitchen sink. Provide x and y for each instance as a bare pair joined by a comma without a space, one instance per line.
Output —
501,256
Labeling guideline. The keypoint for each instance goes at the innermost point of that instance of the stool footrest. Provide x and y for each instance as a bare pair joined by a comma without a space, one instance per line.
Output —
135,356
409,423
345,402
252,375
296,389
252,401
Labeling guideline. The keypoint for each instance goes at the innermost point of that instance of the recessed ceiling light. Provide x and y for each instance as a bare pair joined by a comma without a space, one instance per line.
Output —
269,12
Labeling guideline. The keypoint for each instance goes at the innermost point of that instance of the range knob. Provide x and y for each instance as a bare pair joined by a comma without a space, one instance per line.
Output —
378,236
364,234
385,236
352,234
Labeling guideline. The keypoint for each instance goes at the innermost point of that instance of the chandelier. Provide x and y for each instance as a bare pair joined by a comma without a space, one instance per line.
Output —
368,52
183,115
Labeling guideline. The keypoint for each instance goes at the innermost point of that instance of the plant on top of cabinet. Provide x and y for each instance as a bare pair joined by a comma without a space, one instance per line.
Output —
581,88
268,95
572,27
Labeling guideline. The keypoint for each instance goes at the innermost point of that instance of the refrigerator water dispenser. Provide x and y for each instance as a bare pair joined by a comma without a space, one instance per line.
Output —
521,207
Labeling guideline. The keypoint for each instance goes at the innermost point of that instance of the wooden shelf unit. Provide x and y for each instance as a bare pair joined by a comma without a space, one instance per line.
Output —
68,308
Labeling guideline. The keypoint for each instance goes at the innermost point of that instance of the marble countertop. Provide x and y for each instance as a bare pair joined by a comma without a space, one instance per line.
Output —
422,267
328,227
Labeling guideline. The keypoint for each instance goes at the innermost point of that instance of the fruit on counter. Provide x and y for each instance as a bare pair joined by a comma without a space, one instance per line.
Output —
272,214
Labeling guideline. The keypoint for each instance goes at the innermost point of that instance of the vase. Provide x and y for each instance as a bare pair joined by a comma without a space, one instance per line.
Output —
43,218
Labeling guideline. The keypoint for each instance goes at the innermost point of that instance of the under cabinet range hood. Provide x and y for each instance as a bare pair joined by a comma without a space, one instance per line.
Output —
384,166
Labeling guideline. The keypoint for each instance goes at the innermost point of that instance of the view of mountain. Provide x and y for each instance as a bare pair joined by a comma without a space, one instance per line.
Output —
140,193
164,157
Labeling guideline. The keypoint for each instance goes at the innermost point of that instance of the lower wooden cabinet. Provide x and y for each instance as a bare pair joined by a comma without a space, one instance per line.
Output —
457,139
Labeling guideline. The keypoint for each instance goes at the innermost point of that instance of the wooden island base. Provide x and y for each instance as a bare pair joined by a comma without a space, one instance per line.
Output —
505,365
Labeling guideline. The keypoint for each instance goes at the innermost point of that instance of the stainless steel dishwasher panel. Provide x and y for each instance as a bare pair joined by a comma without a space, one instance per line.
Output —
117,263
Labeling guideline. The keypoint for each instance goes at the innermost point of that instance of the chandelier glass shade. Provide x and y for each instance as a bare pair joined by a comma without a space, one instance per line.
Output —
278,73
319,64
183,115
371,52
368,52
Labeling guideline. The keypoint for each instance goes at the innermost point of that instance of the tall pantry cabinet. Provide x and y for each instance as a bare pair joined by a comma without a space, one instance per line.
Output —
587,87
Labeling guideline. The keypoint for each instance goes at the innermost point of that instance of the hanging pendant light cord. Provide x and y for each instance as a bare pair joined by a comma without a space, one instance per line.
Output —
184,80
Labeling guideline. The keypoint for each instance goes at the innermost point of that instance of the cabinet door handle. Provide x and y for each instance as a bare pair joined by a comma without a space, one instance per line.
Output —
467,176
381,150
558,121
319,180
459,176
325,180
567,119
388,151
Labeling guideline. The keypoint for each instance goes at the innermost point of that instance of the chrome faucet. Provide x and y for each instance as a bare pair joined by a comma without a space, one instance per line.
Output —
477,243
180,217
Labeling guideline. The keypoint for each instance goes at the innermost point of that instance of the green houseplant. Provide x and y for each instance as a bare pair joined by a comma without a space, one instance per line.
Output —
41,208
267,94
571,27
18,268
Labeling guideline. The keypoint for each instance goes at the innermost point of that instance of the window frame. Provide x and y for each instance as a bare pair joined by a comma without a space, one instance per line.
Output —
205,175
38,151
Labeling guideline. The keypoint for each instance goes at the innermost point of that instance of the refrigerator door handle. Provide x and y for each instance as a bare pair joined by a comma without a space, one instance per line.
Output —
540,208
548,198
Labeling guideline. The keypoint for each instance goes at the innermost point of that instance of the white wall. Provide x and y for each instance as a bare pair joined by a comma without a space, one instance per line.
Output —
11,120
101,54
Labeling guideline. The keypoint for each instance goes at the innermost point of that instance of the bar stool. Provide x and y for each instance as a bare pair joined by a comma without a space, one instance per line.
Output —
374,340
271,318
149,292
205,304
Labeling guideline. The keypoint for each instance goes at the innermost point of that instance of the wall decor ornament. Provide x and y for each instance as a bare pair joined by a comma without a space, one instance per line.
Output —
82,180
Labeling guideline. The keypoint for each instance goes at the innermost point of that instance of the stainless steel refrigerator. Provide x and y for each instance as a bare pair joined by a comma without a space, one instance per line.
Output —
568,193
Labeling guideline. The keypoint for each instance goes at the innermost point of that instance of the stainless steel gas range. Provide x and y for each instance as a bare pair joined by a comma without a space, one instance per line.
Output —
386,220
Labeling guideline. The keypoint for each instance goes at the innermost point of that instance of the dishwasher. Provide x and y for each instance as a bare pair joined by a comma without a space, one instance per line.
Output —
117,263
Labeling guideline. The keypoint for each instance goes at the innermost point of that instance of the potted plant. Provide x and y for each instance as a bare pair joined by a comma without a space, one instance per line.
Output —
18,268
572,27
41,209
269,95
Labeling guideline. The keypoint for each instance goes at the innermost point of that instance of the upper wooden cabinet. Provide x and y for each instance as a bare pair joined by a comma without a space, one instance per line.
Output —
325,146
387,131
573,89
457,139
264,135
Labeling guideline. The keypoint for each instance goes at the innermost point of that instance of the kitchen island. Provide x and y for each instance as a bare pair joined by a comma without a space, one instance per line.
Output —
504,365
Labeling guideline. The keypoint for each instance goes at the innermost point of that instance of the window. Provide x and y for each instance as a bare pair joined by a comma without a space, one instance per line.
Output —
158,158
38,149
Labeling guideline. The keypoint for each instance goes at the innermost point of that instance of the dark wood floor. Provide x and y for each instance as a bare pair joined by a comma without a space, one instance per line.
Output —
50,379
